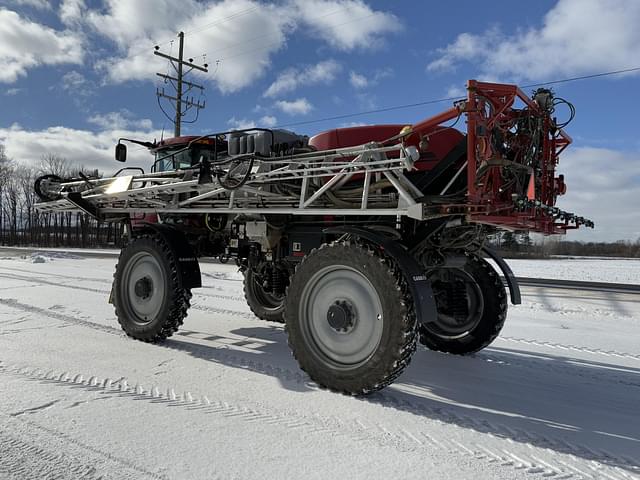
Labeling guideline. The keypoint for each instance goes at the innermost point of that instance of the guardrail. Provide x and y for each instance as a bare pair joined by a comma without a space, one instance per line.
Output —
579,285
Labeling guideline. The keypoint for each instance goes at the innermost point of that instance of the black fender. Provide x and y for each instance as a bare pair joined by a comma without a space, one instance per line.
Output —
413,273
187,259
512,281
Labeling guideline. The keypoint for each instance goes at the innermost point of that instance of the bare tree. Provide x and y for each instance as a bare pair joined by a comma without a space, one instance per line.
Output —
26,177
11,199
53,164
6,166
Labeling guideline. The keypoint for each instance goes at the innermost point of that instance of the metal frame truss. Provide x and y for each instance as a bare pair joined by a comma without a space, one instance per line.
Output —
346,181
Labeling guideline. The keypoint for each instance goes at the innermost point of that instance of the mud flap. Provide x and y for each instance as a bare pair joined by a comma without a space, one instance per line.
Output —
190,276
187,259
512,282
413,273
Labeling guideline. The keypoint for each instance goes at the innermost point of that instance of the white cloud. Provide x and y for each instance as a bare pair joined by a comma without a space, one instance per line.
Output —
456,91
466,47
25,44
78,88
137,26
266,121
577,36
357,80
121,120
13,91
71,11
74,82
360,81
604,186
321,73
346,24
301,106
39,4
81,147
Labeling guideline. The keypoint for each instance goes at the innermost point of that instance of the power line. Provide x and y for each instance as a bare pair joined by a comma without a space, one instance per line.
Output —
584,77
451,99
367,112
220,21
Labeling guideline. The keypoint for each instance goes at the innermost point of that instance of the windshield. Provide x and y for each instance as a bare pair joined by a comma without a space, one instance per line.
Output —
177,157
173,159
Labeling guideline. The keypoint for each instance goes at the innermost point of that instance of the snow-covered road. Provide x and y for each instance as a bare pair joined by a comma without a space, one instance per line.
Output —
557,395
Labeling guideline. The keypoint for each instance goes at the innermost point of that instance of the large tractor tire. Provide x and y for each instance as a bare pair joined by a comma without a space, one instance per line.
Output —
350,319
148,295
472,306
265,305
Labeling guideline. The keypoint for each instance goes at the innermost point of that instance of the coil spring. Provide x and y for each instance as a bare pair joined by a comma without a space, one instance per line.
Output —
278,279
457,294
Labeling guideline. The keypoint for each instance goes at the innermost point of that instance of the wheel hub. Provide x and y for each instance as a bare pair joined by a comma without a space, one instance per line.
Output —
341,316
143,288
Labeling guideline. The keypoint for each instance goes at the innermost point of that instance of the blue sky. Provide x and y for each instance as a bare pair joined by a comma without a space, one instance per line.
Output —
75,75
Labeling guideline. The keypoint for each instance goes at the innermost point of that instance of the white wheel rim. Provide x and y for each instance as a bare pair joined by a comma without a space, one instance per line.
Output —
356,343
143,283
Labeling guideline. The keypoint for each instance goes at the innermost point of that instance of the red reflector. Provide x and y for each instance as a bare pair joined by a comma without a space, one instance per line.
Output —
531,191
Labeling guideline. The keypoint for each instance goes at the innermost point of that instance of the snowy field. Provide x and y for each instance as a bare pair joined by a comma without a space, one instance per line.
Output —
556,396
583,269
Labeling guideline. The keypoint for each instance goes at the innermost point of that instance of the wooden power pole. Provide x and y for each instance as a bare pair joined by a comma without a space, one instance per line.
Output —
182,68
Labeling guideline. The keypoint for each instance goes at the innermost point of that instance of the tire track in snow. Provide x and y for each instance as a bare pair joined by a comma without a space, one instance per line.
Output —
13,303
482,425
444,415
21,460
562,346
377,434
225,311
259,367
43,281
57,275
605,375
39,280
218,355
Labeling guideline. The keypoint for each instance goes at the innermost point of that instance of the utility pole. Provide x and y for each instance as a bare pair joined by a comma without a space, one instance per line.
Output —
182,106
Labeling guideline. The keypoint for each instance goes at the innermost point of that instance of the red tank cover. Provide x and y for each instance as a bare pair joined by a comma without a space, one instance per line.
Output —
440,140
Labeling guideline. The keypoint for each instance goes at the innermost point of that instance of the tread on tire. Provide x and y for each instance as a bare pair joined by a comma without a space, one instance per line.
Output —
175,300
397,334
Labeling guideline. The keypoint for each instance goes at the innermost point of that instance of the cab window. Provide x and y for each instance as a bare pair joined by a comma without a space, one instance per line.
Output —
173,159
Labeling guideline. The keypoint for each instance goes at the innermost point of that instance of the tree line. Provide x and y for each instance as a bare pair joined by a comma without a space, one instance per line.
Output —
22,225
520,244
